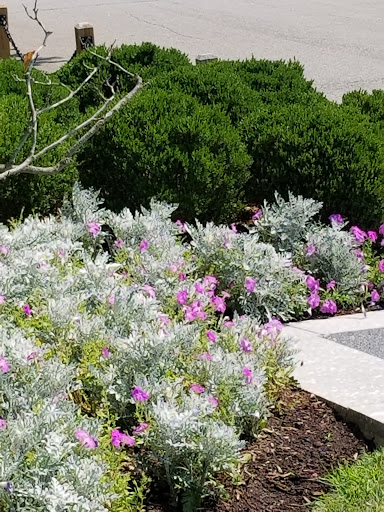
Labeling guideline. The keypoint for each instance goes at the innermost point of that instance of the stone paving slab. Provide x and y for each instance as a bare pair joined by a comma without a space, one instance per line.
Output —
349,379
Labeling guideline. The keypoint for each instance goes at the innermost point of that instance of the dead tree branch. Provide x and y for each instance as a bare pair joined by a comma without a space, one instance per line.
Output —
91,125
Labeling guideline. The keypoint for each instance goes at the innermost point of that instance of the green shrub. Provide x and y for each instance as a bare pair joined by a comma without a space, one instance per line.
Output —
371,104
146,59
277,82
164,144
212,85
40,194
322,152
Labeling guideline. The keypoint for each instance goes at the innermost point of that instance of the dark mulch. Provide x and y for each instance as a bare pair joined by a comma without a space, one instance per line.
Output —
303,441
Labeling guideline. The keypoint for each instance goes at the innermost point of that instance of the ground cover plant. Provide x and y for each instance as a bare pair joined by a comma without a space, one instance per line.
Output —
166,336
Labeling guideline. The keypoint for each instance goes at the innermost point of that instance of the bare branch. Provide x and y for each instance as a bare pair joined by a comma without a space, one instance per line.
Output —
27,166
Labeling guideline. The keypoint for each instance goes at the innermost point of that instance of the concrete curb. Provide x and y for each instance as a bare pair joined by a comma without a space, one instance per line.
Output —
351,381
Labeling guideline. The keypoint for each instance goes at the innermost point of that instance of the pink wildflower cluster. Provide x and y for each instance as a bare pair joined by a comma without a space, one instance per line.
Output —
119,438
139,394
94,228
86,439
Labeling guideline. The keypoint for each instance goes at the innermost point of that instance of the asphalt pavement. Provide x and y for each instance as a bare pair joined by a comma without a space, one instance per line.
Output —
340,42
370,341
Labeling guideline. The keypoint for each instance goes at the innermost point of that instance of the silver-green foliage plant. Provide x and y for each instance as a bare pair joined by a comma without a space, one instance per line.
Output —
328,252
140,332
42,464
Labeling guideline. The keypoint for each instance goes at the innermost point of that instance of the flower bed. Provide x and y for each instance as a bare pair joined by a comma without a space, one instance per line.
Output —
165,336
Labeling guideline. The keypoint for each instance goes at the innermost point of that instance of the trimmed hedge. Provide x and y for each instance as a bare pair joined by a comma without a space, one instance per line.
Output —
208,137
329,153
370,104
146,59
169,146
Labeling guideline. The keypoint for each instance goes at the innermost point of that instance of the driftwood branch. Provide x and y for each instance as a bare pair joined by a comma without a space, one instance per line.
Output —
89,127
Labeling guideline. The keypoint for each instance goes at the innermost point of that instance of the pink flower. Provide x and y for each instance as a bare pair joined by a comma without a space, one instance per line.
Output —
212,336
312,283
4,250
86,439
213,400
381,229
329,306
105,352
205,356
246,345
257,215
336,218
142,427
381,266
182,297
33,356
372,235
4,365
250,284
27,310
93,228
310,250
118,438
210,282
181,225
195,310
150,291
225,295
199,288
375,296
174,268
2,299
196,388
119,243
111,300
182,277
273,327
229,323
359,235
234,228
247,372
359,254
144,246
219,304
313,300
139,394
331,285
3,424
164,319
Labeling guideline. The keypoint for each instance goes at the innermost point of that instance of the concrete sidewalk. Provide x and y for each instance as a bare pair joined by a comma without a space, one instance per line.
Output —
349,379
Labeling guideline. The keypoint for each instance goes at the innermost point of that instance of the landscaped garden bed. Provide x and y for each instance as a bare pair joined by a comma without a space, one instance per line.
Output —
303,441
143,361
137,353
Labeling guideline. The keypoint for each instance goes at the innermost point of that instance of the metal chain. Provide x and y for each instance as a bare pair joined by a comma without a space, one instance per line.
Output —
4,24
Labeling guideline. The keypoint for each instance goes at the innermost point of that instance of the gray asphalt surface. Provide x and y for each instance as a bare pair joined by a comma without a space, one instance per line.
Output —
340,42
370,341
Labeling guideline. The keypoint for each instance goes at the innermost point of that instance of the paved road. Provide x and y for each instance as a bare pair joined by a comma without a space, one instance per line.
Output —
340,42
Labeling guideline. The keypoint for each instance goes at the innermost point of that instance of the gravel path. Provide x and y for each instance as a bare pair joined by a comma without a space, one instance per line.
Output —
340,42
370,341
